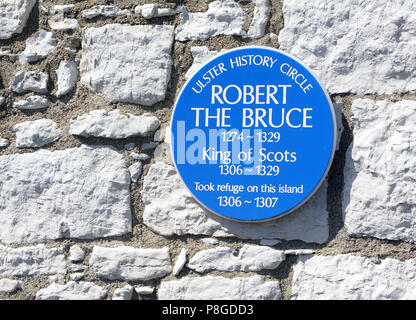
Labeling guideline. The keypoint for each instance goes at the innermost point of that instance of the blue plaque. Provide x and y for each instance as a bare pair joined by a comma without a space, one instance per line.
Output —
253,134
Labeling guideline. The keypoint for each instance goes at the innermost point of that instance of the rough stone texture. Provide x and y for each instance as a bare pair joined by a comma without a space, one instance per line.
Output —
13,16
222,18
124,293
139,156
63,24
127,63
10,286
152,10
210,241
31,261
113,124
64,8
170,209
130,264
35,134
379,196
369,45
298,252
143,291
77,276
105,11
58,21
4,142
219,288
258,24
30,81
38,46
32,103
180,262
135,171
354,46
348,277
75,193
67,76
76,267
72,291
249,258
76,254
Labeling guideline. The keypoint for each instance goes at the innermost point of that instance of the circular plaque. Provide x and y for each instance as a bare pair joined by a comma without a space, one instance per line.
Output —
253,134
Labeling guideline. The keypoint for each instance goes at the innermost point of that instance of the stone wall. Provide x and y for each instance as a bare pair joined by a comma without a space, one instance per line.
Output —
91,206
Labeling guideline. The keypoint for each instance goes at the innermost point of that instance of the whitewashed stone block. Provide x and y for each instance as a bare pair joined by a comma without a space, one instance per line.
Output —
130,264
31,261
36,134
125,63
67,77
77,276
77,267
348,277
38,46
222,18
58,21
76,254
144,291
32,103
249,258
74,193
219,288
10,286
124,293
259,21
354,46
63,8
209,241
135,171
13,16
30,81
4,142
170,209
80,290
105,11
113,124
379,198
152,10
180,262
